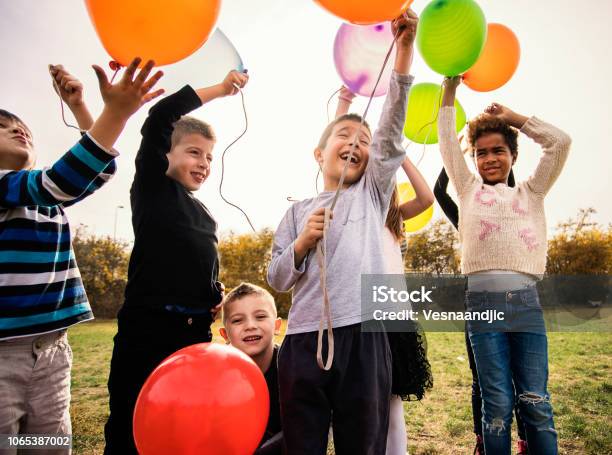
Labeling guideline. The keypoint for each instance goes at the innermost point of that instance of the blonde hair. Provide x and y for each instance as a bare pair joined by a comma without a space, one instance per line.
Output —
243,290
190,125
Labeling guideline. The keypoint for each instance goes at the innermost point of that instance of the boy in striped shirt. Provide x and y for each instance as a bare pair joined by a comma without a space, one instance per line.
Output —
41,291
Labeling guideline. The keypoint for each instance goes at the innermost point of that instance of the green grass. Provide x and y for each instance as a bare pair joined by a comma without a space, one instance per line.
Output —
580,384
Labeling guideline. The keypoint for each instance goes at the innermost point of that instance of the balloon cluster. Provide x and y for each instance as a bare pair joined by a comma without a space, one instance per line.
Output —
453,38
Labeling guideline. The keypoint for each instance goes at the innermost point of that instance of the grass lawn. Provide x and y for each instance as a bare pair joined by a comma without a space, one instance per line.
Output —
580,384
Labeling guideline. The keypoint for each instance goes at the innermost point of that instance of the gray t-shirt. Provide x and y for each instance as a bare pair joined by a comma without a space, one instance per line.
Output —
355,234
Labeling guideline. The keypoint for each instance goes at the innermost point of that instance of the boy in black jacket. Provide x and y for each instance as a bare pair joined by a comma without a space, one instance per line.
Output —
172,292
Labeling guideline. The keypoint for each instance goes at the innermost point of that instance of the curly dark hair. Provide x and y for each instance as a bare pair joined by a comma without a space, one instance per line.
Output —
487,123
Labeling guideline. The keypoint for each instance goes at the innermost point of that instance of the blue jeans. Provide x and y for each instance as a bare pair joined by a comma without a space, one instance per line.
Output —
511,355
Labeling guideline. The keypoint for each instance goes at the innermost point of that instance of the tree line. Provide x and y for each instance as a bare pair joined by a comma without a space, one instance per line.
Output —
579,246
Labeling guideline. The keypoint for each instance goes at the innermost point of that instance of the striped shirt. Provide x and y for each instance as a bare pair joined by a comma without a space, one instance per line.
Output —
40,285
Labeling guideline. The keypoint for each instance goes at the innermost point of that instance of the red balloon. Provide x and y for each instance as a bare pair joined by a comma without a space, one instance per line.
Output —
204,399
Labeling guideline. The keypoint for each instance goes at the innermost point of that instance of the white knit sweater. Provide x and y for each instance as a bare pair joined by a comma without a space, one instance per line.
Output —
503,228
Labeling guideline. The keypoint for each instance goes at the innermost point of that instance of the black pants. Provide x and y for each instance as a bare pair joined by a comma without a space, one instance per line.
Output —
144,339
356,390
477,399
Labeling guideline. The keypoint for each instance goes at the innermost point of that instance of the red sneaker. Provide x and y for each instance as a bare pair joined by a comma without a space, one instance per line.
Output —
522,448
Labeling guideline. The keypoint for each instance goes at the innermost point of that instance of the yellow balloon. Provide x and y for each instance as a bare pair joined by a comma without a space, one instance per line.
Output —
406,193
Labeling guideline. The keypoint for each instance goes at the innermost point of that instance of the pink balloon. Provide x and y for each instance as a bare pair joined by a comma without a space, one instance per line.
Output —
359,53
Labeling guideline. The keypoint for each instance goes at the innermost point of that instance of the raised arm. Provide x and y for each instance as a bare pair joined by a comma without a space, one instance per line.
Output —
345,99
554,142
386,151
446,203
151,160
77,173
452,155
424,197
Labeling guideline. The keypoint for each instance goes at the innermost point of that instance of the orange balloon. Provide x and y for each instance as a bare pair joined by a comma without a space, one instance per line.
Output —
365,12
498,60
162,30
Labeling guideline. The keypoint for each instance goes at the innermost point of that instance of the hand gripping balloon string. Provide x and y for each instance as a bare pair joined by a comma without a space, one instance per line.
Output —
322,243
57,90
246,126
113,66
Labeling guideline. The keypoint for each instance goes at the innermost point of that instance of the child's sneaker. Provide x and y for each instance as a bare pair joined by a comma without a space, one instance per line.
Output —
522,448
479,449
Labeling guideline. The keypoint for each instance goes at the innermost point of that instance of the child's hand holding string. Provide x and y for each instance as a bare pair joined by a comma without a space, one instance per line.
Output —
404,29
450,85
70,90
68,87
310,235
233,82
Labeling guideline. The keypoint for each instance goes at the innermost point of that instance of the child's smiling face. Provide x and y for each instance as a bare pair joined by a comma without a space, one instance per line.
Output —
493,158
333,156
189,161
16,147
250,324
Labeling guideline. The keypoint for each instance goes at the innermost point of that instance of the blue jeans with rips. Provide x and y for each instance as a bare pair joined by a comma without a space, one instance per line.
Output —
512,355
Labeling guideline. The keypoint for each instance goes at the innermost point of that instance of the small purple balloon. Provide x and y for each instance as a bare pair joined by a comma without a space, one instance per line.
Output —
359,53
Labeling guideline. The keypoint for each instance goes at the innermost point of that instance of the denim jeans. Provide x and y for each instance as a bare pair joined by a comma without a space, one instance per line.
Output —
511,355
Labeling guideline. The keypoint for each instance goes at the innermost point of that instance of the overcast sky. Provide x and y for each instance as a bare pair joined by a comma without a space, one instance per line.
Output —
563,78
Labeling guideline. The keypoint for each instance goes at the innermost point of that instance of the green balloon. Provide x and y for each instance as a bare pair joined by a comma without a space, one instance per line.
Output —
451,35
424,101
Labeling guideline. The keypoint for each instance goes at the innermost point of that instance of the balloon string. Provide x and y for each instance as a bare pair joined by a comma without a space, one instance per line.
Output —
363,118
57,90
321,248
329,101
115,73
246,126
328,120
434,113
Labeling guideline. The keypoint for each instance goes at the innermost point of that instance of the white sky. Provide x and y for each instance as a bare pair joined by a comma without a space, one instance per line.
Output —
287,45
